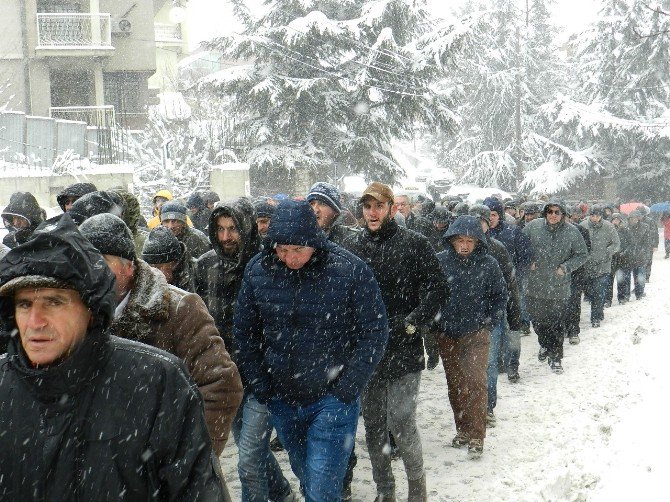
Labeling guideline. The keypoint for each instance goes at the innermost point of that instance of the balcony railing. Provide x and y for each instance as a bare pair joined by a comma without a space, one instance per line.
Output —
74,31
168,33
94,116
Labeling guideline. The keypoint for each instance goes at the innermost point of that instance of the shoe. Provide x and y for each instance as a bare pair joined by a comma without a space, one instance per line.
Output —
574,340
623,301
525,329
513,376
542,355
416,490
460,440
389,497
556,366
595,324
275,445
346,493
475,448
642,295
607,305
490,420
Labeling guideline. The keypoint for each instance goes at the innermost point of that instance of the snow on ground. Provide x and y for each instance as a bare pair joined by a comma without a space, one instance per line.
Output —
595,433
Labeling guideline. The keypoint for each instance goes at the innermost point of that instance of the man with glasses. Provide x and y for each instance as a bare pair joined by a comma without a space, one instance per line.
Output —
558,249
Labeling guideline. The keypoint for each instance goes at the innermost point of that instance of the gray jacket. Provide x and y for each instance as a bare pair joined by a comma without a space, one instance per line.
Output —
553,246
604,244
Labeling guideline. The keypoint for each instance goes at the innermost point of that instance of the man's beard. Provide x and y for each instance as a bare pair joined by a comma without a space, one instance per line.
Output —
230,252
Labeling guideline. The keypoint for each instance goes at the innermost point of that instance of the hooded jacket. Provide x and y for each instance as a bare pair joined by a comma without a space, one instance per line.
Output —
93,425
177,322
75,190
413,288
559,245
303,334
201,218
478,296
604,245
23,205
219,276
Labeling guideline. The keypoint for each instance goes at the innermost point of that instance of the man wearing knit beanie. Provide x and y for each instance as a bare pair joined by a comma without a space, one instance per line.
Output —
326,203
174,215
152,312
264,213
301,288
164,252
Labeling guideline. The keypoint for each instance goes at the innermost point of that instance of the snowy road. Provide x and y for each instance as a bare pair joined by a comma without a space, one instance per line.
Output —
595,433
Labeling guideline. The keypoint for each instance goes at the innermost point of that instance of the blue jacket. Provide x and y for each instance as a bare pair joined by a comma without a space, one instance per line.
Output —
479,293
517,244
302,334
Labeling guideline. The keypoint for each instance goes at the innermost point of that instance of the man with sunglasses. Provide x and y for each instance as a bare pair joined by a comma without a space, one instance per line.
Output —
558,249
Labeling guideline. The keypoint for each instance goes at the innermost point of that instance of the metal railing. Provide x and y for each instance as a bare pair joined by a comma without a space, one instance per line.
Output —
101,120
168,33
74,31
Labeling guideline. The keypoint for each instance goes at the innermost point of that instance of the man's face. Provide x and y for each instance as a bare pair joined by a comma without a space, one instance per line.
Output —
403,205
554,215
124,271
167,269
376,213
193,210
616,222
325,215
69,201
158,202
294,257
495,219
595,218
633,220
228,235
511,211
463,244
51,323
20,222
177,227
528,217
263,224
440,226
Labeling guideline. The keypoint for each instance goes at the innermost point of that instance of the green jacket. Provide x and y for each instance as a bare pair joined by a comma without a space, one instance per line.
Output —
555,246
605,243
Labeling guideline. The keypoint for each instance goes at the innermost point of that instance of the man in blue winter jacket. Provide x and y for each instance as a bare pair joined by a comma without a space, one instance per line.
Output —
310,327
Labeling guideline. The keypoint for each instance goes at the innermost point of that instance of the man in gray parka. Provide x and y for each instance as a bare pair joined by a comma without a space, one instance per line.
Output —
604,244
558,250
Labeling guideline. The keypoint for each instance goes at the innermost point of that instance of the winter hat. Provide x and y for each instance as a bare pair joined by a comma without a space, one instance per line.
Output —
494,205
461,208
173,210
326,193
441,215
465,225
482,212
294,223
76,190
110,235
597,210
96,203
264,209
618,216
531,207
210,196
161,246
378,191
25,205
195,200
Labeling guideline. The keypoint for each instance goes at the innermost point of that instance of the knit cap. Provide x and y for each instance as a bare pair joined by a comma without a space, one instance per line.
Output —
161,246
173,210
110,235
264,209
494,205
294,223
326,193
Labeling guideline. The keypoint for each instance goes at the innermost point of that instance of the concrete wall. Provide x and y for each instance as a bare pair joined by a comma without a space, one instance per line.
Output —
230,180
137,51
46,188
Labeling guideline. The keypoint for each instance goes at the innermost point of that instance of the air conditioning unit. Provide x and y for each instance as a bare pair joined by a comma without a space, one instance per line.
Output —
121,26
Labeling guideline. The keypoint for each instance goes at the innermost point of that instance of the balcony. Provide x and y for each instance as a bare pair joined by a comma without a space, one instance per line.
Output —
74,34
168,34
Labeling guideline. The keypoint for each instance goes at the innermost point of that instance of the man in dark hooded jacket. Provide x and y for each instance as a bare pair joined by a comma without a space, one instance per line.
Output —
84,413
233,235
71,193
310,327
558,250
476,305
21,217
200,213
163,251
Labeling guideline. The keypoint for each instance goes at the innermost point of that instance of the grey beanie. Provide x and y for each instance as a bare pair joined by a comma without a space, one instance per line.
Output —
482,212
110,235
173,210
161,246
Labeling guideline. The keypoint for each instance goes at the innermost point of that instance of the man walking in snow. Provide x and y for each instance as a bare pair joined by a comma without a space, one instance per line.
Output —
310,327
413,289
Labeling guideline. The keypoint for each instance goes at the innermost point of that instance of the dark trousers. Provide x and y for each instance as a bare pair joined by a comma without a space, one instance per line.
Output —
574,305
465,361
596,288
549,322
609,289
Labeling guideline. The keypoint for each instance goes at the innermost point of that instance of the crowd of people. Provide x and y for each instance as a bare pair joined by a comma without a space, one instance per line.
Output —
132,348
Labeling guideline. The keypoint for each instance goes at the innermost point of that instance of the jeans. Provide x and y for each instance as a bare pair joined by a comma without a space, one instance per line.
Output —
318,438
492,368
390,405
260,475
596,288
623,281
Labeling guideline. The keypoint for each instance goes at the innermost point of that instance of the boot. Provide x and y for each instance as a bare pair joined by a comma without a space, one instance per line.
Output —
416,490
389,497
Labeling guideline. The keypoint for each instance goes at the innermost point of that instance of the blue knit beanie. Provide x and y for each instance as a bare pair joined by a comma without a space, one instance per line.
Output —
326,193
294,223
495,205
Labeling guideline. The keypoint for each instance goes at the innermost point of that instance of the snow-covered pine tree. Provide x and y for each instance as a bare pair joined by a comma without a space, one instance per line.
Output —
328,86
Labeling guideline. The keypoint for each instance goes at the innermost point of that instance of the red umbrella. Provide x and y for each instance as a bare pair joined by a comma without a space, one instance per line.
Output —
630,207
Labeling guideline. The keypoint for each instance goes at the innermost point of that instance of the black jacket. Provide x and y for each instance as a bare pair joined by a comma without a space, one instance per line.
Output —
24,205
413,288
498,250
115,420
219,276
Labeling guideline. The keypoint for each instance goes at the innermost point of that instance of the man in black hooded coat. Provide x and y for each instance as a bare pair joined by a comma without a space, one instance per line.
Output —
21,217
104,418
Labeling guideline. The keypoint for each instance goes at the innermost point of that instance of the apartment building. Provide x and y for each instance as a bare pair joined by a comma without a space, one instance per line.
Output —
87,60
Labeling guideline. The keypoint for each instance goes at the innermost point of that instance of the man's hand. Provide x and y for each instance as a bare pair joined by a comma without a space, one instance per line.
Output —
533,266
560,272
